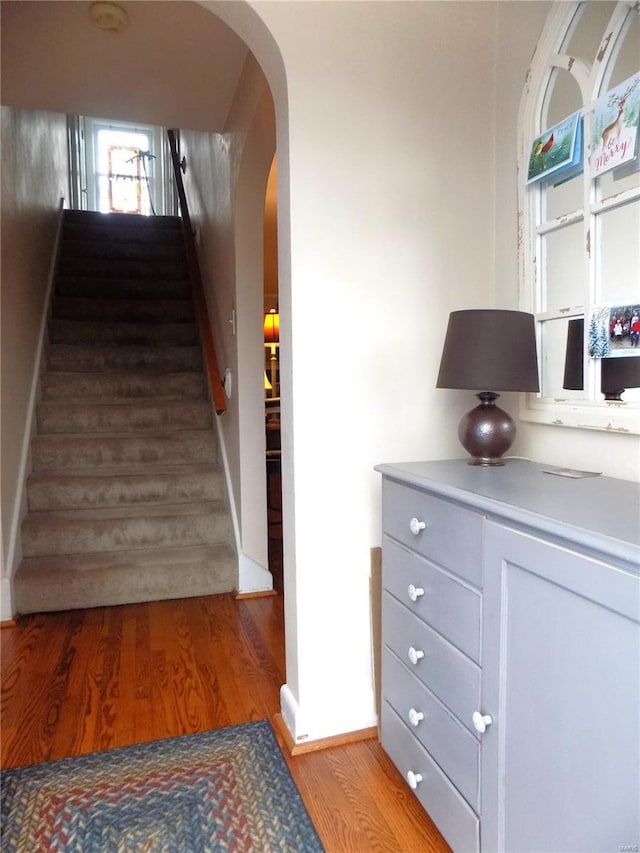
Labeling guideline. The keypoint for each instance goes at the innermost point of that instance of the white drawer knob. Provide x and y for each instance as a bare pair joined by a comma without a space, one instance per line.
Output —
414,779
415,592
415,717
415,655
415,526
481,721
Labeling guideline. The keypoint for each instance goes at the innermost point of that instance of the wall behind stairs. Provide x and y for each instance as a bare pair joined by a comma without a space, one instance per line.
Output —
34,178
225,184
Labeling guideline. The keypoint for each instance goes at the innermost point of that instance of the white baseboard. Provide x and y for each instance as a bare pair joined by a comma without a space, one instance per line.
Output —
322,722
252,577
6,600
289,710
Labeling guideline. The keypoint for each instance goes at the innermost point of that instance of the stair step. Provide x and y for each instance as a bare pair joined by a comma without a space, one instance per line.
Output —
82,531
69,582
126,500
123,487
114,387
105,334
125,221
90,231
119,250
119,269
124,288
122,310
70,452
69,358
86,417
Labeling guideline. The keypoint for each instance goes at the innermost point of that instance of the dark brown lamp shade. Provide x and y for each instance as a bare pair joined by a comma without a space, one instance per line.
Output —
490,350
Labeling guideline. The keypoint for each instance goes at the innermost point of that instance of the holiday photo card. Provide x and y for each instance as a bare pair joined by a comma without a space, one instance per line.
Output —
614,330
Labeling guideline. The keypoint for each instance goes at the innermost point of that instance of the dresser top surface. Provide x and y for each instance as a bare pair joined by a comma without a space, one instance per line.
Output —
596,512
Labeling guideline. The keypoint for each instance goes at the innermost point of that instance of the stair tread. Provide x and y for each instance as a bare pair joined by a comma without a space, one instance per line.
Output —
149,556
121,374
120,347
71,323
126,511
152,470
122,220
168,435
93,242
142,310
153,288
67,278
123,403
121,400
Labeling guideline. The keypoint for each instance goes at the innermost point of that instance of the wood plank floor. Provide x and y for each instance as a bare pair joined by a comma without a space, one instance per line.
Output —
82,681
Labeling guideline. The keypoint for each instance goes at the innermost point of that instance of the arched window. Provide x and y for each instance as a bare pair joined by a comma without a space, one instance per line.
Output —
580,233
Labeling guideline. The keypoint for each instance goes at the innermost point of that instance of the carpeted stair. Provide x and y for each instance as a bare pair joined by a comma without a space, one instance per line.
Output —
126,499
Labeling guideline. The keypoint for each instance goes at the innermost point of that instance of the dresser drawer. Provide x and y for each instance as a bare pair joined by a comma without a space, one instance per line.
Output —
452,535
452,746
449,606
453,677
454,818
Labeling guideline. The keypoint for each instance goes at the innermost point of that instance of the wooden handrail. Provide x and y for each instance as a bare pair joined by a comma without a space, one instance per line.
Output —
195,278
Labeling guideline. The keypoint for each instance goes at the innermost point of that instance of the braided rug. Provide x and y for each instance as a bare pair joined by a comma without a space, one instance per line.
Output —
223,790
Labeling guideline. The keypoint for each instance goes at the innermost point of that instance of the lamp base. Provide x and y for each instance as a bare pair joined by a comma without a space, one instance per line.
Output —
486,432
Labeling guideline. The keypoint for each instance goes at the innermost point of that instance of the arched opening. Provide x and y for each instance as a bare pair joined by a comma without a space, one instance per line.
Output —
271,383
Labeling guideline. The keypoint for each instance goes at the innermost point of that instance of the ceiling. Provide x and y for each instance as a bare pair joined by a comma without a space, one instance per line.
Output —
174,65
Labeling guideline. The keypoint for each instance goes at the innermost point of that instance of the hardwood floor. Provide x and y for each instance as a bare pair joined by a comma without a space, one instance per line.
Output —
81,681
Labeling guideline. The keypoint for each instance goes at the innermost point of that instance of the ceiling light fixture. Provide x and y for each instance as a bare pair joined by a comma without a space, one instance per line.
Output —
109,17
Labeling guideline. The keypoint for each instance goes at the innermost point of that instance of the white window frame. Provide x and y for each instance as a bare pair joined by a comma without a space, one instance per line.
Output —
594,412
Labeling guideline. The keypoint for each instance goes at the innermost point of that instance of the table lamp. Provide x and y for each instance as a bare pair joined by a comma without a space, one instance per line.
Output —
489,350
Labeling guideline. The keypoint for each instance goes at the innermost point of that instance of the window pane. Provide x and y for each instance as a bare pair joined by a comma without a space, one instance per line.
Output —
626,64
562,98
610,183
554,352
564,198
619,255
592,20
627,60
564,268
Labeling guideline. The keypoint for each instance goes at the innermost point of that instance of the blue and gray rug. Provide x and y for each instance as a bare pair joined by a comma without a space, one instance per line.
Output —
224,790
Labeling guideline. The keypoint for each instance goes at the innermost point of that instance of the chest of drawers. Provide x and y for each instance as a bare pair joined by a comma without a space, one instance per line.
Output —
511,641
431,676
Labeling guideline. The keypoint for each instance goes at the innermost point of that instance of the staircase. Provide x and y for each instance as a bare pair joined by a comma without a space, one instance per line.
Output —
126,501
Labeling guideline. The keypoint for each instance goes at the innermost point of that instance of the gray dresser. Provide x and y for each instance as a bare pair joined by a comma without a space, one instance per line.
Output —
511,654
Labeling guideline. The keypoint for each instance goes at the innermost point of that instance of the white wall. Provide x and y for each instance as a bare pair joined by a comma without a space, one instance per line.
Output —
34,179
398,204
225,184
389,127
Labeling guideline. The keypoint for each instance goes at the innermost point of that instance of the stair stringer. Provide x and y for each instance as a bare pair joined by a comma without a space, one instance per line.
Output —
251,576
14,543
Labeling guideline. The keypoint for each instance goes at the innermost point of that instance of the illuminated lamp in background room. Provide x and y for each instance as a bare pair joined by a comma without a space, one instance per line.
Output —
616,374
272,340
489,350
